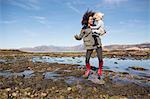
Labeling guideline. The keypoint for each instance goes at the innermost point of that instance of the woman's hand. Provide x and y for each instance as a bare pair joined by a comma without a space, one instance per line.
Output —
76,37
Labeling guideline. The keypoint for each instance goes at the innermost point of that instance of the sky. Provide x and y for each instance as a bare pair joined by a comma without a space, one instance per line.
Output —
30,23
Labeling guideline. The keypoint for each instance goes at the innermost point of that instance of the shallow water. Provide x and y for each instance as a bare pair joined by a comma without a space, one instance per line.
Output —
2,60
25,73
114,64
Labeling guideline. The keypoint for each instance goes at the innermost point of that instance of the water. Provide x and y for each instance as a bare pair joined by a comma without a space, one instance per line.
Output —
25,73
2,61
113,64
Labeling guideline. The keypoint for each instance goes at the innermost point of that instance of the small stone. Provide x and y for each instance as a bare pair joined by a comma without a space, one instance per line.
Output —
28,93
25,93
14,94
32,96
138,68
53,87
95,89
57,91
43,94
29,67
8,89
49,68
69,88
101,81
35,94
62,97
17,91
28,88
20,83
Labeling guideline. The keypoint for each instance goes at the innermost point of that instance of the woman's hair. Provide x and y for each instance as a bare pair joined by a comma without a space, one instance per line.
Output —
86,16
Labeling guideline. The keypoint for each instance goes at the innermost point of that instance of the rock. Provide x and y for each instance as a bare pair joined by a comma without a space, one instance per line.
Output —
43,94
8,89
115,63
32,96
62,97
95,89
53,88
20,83
14,94
138,68
69,88
118,97
124,72
28,93
57,91
25,93
16,88
49,68
101,82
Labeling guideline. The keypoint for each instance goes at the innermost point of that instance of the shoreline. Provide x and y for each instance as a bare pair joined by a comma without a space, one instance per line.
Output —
20,77
106,54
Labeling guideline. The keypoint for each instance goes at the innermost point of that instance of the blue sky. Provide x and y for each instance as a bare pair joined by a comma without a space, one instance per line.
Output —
30,23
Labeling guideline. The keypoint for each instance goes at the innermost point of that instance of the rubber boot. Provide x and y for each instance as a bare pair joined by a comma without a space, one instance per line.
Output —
101,81
100,68
88,67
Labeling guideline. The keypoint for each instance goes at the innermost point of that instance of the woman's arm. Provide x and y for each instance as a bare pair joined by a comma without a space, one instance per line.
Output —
80,36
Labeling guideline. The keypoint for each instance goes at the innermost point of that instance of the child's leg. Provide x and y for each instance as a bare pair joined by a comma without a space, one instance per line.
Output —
88,55
95,39
99,55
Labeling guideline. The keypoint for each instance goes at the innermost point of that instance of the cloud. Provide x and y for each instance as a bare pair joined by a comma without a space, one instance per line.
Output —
111,3
40,19
26,4
70,4
132,23
8,21
73,8
114,1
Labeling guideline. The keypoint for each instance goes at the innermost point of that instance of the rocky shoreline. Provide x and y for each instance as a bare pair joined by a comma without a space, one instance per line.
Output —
20,77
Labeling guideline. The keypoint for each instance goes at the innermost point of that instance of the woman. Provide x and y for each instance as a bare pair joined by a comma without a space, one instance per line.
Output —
89,42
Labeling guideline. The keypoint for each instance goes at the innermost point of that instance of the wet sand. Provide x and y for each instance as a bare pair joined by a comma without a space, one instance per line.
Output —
23,78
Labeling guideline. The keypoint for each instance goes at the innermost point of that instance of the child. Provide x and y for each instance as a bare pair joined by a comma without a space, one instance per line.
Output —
98,26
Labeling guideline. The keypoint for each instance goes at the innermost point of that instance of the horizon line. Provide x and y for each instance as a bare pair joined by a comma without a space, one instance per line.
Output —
76,45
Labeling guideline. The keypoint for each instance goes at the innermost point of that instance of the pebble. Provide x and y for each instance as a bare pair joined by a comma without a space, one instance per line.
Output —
31,96
57,91
43,94
14,94
69,88
28,93
8,89
53,87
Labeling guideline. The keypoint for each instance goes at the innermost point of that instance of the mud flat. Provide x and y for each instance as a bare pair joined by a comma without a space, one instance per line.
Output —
22,77
122,54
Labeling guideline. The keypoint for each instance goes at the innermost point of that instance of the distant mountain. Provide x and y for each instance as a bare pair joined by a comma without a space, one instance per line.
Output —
143,46
53,49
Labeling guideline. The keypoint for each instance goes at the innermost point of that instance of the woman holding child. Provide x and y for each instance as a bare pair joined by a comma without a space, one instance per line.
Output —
93,27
